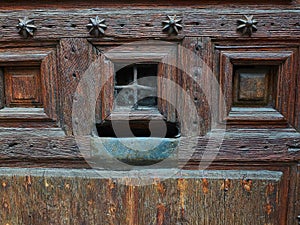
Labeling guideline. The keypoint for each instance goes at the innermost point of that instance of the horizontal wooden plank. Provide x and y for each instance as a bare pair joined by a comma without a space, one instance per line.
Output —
139,23
60,196
75,4
32,132
241,145
261,56
143,174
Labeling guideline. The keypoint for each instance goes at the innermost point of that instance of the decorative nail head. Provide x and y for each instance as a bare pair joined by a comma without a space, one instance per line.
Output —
26,27
247,25
96,26
172,25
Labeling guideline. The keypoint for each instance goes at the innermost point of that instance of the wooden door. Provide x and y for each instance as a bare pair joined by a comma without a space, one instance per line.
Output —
238,157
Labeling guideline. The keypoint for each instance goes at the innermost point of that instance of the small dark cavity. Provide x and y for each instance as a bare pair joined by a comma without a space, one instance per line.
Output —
73,49
194,23
12,144
122,25
73,25
243,146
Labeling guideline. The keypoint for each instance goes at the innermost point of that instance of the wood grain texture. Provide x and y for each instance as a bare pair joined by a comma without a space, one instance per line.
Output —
55,24
239,201
284,100
297,195
297,102
50,85
76,55
64,50
197,80
78,197
34,148
23,87
34,4
162,53
48,200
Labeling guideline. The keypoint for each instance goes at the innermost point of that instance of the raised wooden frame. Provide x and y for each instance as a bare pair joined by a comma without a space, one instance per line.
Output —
23,87
43,59
283,110
166,58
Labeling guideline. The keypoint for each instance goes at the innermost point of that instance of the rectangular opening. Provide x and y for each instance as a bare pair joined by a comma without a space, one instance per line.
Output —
135,86
135,106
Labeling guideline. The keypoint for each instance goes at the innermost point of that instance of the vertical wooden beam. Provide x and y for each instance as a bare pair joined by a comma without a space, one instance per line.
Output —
196,78
75,57
2,90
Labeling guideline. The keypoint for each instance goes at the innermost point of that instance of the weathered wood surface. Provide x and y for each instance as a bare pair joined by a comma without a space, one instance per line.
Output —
76,55
147,22
297,195
58,196
27,148
284,100
34,4
226,199
195,71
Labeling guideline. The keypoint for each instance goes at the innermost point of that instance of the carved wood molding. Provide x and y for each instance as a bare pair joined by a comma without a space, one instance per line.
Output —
39,59
230,59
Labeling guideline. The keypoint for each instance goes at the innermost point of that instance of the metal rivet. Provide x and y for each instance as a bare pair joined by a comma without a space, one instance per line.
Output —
96,26
247,25
26,27
172,25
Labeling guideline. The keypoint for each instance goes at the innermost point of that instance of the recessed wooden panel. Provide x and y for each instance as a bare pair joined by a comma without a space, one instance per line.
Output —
251,86
23,87
274,88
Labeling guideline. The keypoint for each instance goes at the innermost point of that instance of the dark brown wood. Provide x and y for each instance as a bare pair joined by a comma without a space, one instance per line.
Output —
253,173
23,87
72,199
106,102
41,147
284,100
162,53
2,90
253,86
76,55
204,21
297,196
38,63
33,4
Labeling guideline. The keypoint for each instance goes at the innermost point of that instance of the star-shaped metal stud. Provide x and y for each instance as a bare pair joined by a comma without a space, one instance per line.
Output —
26,27
247,25
96,26
172,25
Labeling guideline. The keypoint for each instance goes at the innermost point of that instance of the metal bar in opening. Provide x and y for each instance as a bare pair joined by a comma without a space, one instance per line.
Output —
135,86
